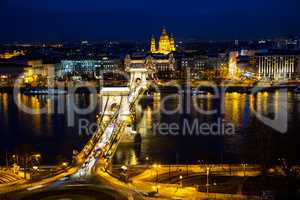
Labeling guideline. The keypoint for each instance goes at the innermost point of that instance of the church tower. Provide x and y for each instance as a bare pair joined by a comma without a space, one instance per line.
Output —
172,43
153,45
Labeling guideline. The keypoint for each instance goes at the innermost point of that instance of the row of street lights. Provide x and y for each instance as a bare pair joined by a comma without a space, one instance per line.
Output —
157,167
208,169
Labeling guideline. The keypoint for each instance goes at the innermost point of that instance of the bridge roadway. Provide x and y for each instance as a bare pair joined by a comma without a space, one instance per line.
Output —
103,144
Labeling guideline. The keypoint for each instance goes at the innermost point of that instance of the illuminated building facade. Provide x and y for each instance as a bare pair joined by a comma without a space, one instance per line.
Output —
263,65
37,72
161,66
195,64
166,44
9,73
4,80
82,67
242,64
9,55
277,67
233,68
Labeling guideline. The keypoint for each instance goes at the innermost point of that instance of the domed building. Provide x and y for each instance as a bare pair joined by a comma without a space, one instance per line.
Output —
166,44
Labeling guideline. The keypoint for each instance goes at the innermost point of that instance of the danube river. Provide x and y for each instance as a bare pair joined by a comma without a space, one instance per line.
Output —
233,133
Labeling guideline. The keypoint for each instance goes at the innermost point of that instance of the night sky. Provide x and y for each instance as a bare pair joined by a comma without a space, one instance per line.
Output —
96,20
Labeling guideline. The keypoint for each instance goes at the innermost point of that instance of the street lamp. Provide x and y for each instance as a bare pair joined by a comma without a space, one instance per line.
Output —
155,166
65,164
244,168
207,180
200,163
147,160
180,177
14,157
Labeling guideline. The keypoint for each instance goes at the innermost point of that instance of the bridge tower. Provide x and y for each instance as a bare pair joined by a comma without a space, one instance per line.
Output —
140,69
114,99
138,77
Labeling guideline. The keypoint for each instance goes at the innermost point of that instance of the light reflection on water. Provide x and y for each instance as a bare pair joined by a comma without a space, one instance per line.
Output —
237,110
50,134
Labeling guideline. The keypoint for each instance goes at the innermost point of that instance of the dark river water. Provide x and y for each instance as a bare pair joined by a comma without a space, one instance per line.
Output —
232,134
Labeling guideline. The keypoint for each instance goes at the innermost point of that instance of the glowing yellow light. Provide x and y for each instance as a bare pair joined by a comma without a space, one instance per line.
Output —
9,55
37,156
156,166
65,164
166,44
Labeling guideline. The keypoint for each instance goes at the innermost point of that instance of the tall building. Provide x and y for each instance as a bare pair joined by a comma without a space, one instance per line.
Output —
166,44
172,43
153,44
277,66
